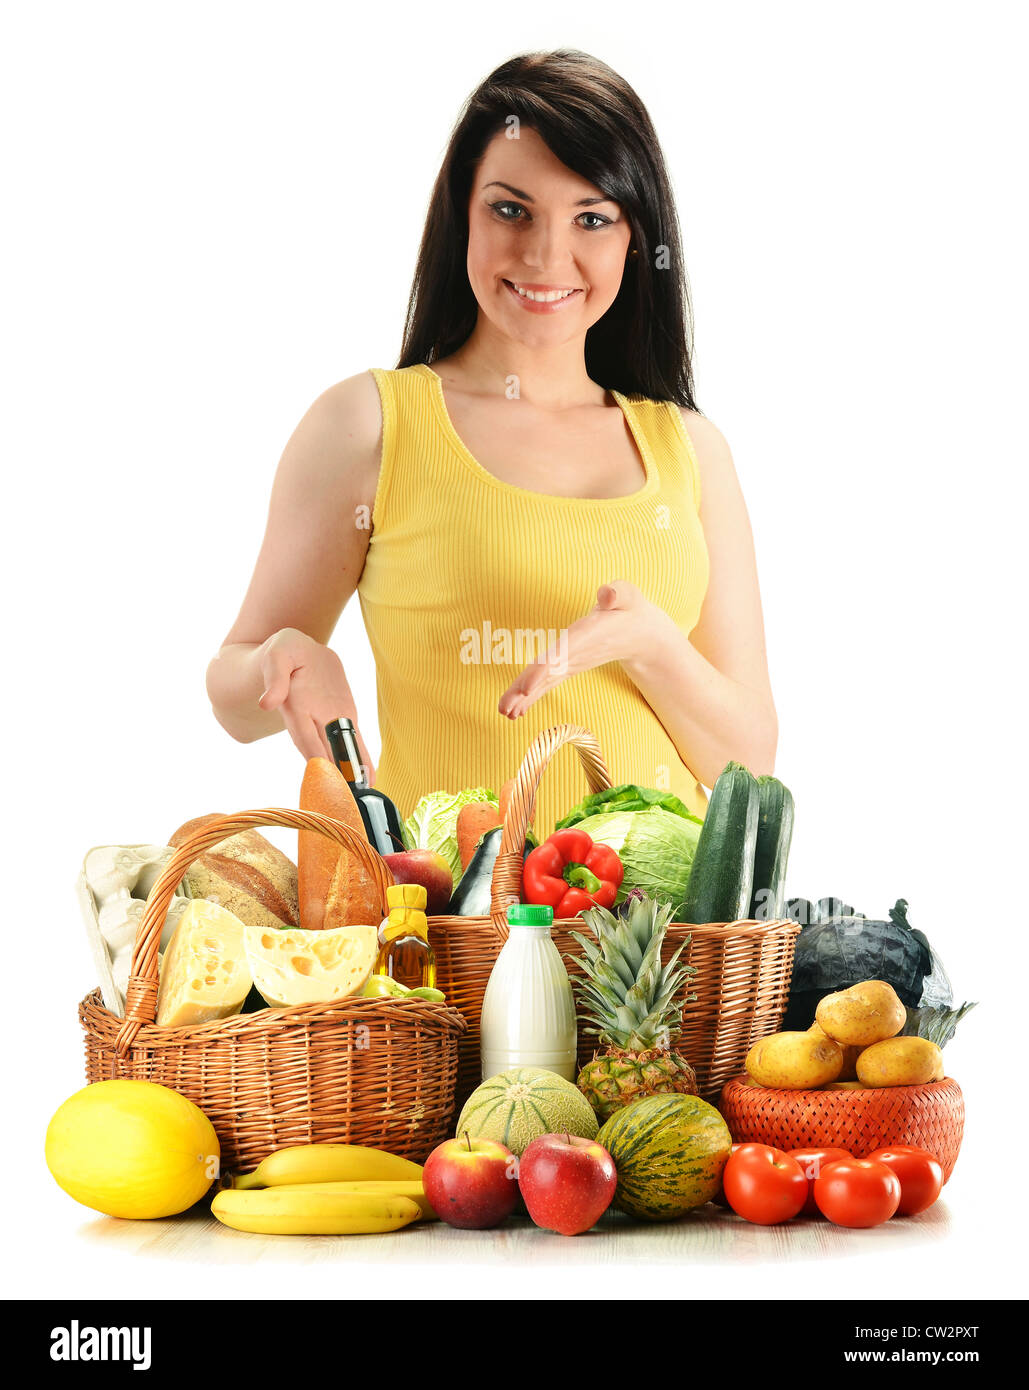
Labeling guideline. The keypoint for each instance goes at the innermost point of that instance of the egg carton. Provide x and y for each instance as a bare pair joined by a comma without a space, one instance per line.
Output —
112,889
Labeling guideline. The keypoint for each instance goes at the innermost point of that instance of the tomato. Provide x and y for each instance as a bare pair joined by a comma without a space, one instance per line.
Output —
763,1184
720,1199
812,1161
857,1192
920,1174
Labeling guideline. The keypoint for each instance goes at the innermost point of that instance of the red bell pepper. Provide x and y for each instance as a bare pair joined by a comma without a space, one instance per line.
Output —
570,873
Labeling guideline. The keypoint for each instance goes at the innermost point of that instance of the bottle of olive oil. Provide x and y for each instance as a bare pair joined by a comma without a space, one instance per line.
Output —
405,954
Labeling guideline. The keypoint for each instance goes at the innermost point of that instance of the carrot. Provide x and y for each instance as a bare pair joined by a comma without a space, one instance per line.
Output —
473,820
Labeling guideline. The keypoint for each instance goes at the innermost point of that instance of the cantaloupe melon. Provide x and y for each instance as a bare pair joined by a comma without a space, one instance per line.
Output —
519,1105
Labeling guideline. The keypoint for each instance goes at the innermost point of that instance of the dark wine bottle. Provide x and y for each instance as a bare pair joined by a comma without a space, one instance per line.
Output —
380,816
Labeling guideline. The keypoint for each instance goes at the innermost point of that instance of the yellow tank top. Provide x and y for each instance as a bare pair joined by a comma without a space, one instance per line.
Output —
467,577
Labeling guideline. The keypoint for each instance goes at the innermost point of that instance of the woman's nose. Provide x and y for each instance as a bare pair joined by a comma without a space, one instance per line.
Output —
545,247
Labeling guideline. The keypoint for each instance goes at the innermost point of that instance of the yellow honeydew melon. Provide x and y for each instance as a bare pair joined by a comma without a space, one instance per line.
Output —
310,967
132,1149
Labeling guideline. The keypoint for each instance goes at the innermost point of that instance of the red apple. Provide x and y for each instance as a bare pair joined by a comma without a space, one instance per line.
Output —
567,1182
428,868
471,1183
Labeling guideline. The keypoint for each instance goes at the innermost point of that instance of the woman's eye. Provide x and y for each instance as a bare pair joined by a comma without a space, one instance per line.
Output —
513,212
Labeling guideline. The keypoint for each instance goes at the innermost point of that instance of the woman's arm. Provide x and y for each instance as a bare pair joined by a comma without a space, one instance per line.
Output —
711,690
274,670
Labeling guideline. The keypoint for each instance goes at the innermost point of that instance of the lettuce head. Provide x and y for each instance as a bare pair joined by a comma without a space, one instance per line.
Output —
656,848
433,823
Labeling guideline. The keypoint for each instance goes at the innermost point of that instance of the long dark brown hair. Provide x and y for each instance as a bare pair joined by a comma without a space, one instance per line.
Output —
595,124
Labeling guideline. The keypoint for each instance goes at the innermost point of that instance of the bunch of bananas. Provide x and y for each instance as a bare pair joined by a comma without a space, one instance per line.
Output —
325,1189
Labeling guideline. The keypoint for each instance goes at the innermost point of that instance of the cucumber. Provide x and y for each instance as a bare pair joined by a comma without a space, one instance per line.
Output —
722,876
774,832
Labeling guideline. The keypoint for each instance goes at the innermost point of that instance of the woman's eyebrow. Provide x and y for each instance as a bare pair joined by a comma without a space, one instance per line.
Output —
519,193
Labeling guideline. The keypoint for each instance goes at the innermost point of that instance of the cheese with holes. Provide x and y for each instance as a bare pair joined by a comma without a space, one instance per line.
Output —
310,967
204,971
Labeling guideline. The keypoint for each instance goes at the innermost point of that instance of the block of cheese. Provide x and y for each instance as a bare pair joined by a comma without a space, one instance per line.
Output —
204,971
310,967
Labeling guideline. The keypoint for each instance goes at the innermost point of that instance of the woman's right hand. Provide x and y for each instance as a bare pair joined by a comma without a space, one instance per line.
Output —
305,682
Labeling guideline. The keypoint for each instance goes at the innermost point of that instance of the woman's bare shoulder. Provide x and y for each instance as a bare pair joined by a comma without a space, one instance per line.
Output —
703,432
336,445
353,406
714,457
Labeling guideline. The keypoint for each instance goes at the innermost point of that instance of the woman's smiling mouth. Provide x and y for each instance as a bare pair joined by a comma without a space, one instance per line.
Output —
541,299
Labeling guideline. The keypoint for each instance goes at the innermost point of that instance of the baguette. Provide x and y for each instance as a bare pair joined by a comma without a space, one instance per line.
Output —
246,874
335,889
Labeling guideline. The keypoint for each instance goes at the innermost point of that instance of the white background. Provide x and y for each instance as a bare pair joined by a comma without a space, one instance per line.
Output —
212,213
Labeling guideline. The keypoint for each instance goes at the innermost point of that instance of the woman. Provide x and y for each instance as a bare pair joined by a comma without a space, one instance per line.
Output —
540,525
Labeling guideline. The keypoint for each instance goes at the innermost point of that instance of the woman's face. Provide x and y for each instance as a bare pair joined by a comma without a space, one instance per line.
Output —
546,249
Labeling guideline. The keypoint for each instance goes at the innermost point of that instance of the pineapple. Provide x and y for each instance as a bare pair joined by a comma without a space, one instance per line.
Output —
627,999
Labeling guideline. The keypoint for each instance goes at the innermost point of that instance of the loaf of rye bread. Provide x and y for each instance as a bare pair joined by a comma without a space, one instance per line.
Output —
246,874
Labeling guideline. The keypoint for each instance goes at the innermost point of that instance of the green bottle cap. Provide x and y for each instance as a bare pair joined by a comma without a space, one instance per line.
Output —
530,915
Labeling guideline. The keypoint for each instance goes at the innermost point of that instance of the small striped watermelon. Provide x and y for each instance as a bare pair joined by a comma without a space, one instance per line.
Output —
669,1151
517,1106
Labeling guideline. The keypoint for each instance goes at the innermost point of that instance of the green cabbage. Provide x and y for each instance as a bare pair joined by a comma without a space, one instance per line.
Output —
433,823
656,848
627,797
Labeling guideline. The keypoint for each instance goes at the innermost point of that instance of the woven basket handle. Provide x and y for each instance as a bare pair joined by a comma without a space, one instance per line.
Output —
141,992
507,871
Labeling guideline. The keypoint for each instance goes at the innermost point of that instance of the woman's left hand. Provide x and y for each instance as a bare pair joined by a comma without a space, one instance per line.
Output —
620,625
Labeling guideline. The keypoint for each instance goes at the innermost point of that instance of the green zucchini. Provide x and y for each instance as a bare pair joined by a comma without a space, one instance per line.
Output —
722,877
774,832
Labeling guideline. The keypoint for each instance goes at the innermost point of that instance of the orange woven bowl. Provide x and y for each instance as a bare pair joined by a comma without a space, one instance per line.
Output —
930,1117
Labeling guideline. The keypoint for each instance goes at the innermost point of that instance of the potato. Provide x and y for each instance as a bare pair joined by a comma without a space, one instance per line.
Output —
866,1013
900,1062
794,1061
850,1055
844,1086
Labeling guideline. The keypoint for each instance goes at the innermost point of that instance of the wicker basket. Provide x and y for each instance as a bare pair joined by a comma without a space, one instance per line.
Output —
930,1117
380,1072
743,968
